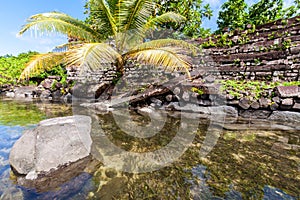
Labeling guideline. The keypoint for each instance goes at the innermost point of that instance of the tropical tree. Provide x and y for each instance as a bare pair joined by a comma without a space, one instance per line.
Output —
233,15
193,10
116,35
266,11
237,14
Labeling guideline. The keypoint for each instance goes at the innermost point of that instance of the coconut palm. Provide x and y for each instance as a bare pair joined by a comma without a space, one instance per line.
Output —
125,21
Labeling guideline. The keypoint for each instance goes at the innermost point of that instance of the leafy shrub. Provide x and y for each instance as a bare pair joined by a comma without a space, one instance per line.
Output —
11,68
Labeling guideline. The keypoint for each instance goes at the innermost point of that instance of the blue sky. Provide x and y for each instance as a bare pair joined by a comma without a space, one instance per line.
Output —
13,15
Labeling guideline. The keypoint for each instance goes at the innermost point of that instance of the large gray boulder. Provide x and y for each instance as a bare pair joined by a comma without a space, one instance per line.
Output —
52,144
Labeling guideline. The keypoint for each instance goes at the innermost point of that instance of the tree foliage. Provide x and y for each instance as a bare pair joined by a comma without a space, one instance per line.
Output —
193,10
233,15
266,11
237,14
11,67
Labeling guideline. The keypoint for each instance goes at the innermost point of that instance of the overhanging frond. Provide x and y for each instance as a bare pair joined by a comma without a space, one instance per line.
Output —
93,55
41,63
161,57
61,23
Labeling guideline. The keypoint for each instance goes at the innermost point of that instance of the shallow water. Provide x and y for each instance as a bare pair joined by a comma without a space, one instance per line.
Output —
216,164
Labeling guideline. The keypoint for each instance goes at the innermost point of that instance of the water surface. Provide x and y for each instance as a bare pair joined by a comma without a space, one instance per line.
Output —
248,164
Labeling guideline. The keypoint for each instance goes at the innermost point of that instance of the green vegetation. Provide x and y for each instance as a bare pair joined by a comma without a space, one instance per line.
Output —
197,90
11,67
232,15
208,44
193,10
237,14
286,44
125,24
255,88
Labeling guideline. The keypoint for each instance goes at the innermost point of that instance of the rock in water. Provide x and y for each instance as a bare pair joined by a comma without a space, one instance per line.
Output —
52,144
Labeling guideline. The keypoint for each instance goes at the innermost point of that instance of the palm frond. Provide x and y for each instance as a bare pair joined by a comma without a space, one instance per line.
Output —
189,48
164,18
41,63
104,12
167,57
120,12
59,22
93,55
137,15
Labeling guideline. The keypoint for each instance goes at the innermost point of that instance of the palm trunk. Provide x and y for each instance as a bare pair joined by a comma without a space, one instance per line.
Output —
120,71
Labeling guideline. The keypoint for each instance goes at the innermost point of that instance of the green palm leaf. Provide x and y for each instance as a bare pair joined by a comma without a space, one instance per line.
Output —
41,63
139,34
120,12
61,23
104,11
164,18
137,15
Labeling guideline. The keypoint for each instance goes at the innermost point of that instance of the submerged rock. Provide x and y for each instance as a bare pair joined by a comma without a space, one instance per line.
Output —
285,116
54,143
25,92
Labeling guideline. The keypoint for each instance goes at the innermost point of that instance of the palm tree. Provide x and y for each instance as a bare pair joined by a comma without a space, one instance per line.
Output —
126,22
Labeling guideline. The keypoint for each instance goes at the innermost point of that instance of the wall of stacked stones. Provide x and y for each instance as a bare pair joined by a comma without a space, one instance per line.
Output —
135,73
267,52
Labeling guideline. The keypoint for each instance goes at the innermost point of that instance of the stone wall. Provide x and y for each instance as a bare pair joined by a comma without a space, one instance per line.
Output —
267,52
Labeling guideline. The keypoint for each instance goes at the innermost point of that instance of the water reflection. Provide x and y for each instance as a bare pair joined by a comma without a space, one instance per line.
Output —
24,113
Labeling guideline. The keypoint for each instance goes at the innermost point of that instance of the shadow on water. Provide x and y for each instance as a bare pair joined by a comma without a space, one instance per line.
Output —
247,164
